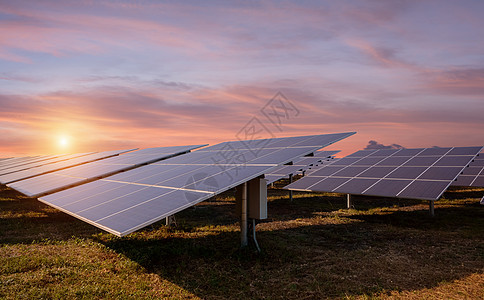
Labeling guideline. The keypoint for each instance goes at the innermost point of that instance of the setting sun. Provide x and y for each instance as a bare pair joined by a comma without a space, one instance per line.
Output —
63,142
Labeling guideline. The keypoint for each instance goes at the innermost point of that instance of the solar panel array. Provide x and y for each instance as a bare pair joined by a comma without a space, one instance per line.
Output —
128,201
54,181
473,175
9,162
405,173
42,168
37,162
299,165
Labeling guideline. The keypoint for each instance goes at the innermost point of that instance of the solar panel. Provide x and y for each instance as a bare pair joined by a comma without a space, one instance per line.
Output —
58,165
19,160
40,161
128,201
405,173
61,179
472,175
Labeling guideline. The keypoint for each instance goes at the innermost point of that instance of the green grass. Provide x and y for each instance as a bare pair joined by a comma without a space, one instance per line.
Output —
312,248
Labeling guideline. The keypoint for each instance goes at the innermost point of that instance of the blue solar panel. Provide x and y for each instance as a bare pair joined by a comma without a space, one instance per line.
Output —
125,202
42,168
54,181
393,172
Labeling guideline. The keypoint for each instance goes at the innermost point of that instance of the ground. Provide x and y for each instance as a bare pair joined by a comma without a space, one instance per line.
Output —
312,248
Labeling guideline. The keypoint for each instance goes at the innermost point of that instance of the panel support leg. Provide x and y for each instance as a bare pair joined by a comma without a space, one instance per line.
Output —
482,200
431,208
254,238
170,220
290,191
349,201
243,217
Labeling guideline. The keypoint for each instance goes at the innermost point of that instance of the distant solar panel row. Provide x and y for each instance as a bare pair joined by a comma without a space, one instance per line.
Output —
37,162
128,201
473,175
405,173
42,168
61,179
19,160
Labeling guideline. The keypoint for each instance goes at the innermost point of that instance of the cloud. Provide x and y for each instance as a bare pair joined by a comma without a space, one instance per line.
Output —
456,81
384,56
163,73
374,145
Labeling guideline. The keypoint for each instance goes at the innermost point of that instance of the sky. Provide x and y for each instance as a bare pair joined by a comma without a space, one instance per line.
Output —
81,76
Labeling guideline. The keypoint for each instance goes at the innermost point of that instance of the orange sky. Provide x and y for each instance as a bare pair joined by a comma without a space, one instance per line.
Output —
116,74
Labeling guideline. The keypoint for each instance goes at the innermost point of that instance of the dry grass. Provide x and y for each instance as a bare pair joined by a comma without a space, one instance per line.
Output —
312,248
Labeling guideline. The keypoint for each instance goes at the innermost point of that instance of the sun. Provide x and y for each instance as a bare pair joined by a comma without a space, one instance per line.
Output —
63,141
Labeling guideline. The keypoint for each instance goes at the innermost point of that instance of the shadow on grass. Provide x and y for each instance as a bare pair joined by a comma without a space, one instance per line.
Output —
363,254
305,253
321,260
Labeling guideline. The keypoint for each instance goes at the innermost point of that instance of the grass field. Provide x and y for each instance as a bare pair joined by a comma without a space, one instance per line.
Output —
312,248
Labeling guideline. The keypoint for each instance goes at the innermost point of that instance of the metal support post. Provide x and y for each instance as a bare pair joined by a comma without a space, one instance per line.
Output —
290,191
431,208
349,201
170,220
243,217
254,237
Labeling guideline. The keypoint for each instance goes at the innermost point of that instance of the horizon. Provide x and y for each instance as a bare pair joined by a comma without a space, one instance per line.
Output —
82,76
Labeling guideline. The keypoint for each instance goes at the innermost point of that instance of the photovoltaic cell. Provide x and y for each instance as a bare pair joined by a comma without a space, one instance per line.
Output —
435,151
394,161
406,173
424,189
387,187
327,171
408,152
425,161
356,185
473,175
384,152
478,181
368,161
333,182
305,183
441,173
362,153
350,171
376,172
